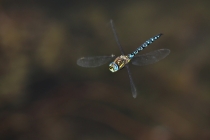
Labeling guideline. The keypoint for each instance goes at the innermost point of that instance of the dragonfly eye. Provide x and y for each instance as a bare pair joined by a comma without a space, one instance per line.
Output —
113,67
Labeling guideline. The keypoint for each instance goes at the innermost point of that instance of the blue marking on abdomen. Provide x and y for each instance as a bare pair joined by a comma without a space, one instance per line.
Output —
144,45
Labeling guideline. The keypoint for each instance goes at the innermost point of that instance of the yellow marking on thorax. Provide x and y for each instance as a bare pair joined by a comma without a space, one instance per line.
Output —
121,61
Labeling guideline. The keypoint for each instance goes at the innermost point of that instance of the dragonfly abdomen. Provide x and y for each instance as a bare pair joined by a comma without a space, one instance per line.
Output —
144,45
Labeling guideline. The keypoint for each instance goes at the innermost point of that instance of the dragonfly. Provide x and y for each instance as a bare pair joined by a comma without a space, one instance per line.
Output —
123,60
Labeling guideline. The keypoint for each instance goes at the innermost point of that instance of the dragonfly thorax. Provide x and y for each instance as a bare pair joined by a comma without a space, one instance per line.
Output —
119,63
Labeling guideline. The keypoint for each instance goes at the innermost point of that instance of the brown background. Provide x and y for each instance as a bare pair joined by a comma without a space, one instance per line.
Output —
44,95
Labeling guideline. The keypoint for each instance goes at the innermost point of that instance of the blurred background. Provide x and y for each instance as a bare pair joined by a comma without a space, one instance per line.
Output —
45,95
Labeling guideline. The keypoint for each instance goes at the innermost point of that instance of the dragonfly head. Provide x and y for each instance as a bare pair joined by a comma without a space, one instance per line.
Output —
113,67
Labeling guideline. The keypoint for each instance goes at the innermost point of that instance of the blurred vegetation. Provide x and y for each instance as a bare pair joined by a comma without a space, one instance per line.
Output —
44,95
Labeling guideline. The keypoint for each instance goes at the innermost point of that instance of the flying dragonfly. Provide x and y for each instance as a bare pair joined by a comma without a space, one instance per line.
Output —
123,60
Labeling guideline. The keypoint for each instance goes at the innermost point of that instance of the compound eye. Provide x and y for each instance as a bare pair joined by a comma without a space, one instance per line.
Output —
110,68
113,67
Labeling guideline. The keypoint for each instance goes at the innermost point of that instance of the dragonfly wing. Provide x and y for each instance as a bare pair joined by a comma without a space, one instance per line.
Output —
93,61
133,88
151,57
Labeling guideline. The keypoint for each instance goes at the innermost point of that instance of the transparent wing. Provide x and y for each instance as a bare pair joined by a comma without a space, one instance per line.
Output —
133,88
151,57
94,61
